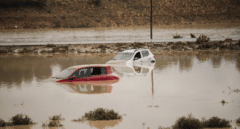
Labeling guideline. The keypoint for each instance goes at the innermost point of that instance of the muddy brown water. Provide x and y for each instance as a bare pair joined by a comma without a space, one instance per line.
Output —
177,86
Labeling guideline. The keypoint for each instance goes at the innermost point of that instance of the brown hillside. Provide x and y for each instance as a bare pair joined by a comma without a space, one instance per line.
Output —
96,13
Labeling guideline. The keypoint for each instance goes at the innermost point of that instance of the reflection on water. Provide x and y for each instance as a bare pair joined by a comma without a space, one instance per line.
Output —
103,124
178,84
216,61
238,63
88,88
18,127
184,62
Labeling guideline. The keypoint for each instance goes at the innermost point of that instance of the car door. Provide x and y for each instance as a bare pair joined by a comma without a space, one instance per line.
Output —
137,59
146,57
79,75
97,74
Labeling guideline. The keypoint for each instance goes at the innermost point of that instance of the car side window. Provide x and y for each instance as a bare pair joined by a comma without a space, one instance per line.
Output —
145,53
90,71
98,71
137,56
103,70
81,73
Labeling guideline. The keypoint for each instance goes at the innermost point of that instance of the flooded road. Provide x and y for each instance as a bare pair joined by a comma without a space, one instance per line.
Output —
121,34
177,86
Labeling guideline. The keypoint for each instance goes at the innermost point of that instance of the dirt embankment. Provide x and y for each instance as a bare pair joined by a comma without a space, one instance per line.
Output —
201,44
105,13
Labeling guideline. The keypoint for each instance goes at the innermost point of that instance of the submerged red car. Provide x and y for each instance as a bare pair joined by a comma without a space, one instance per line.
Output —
91,73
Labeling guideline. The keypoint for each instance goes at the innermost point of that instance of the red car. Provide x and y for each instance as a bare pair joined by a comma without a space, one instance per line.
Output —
98,73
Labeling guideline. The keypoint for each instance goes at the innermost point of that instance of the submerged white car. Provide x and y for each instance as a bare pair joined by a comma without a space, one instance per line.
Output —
133,57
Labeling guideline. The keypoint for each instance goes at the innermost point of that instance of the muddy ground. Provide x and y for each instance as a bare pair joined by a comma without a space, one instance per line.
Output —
155,47
106,13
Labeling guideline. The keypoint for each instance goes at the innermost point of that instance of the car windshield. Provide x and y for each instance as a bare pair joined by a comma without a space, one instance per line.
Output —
123,56
65,73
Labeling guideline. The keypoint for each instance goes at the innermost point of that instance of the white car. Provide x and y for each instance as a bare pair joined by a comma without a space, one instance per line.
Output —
133,57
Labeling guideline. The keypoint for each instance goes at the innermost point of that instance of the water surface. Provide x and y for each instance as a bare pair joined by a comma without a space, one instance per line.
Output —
177,86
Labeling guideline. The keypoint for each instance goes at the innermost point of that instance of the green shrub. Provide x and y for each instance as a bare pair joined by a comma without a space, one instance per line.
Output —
187,123
214,122
21,119
102,114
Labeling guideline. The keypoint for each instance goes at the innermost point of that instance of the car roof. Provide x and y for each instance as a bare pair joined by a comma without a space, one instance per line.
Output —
91,65
134,50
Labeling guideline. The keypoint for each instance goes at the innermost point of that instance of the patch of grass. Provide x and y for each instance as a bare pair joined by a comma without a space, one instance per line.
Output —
102,114
21,119
187,123
56,117
214,122
203,38
177,36
192,35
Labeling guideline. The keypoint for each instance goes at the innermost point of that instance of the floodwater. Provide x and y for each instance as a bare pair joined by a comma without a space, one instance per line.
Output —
177,86
103,35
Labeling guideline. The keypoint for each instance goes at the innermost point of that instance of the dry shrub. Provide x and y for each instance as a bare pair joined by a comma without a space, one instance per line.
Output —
21,119
203,38
102,114
177,36
56,117
215,122
2,123
187,123
192,35
238,121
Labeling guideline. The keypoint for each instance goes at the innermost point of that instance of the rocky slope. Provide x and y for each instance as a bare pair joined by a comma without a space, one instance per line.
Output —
97,13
